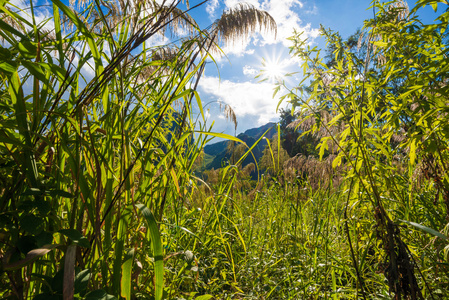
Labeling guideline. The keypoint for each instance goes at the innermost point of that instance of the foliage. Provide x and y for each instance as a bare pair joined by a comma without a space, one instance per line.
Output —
98,193
399,88
97,143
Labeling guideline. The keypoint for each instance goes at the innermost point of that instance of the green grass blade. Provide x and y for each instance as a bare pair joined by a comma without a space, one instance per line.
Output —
157,249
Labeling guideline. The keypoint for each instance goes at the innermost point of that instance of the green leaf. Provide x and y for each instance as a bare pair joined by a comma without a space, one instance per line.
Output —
337,161
30,257
125,284
60,193
89,35
412,152
82,280
222,135
44,238
434,6
27,49
8,67
204,297
99,295
35,70
426,229
157,249
76,237
31,223
6,28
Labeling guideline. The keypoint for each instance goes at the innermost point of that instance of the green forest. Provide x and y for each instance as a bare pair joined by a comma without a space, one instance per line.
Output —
104,189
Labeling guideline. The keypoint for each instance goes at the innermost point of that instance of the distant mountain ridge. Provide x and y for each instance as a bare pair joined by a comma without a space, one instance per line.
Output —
250,136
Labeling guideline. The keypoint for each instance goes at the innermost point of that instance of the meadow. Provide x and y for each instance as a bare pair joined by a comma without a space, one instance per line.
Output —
102,194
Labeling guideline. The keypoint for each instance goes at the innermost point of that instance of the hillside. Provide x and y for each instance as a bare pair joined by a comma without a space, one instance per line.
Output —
219,150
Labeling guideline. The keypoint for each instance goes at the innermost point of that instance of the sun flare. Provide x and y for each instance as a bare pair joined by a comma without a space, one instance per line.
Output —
274,68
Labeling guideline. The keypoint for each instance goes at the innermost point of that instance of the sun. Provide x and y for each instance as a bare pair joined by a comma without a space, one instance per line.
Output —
274,68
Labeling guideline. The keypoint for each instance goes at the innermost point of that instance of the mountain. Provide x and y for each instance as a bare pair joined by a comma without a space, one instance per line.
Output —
219,150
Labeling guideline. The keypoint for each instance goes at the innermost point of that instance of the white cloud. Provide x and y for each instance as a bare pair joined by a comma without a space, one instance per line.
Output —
313,10
249,71
233,3
287,19
248,99
211,7
238,48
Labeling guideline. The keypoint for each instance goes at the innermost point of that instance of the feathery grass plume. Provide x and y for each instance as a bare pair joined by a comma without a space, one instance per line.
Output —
212,176
318,173
237,24
178,21
248,169
241,21
157,63
229,113
397,11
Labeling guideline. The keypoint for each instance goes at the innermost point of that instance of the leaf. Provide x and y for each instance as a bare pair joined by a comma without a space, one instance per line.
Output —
9,29
76,237
412,152
82,281
204,297
380,44
89,35
60,193
336,162
32,223
157,249
222,135
44,238
30,257
99,295
27,49
8,67
434,6
175,180
125,284
35,70
426,229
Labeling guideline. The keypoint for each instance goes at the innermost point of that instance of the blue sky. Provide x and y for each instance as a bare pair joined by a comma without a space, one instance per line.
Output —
234,83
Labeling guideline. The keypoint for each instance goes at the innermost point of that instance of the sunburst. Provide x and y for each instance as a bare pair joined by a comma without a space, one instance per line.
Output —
274,68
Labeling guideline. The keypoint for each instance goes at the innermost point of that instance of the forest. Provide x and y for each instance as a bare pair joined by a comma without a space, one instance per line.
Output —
104,192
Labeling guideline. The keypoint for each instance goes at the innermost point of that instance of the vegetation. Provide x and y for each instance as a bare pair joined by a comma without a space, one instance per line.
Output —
98,192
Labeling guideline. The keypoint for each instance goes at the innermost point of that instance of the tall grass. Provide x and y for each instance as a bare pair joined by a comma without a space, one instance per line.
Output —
91,145
99,200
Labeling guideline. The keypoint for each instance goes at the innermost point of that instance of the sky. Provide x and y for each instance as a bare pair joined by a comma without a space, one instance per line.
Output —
232,80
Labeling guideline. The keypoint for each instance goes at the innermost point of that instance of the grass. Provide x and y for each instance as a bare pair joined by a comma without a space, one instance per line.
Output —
99,198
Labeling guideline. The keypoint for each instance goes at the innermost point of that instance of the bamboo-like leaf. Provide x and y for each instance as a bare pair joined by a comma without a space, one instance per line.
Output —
426,229
204,297
221,135
76,237
157,249
30,257
125,290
